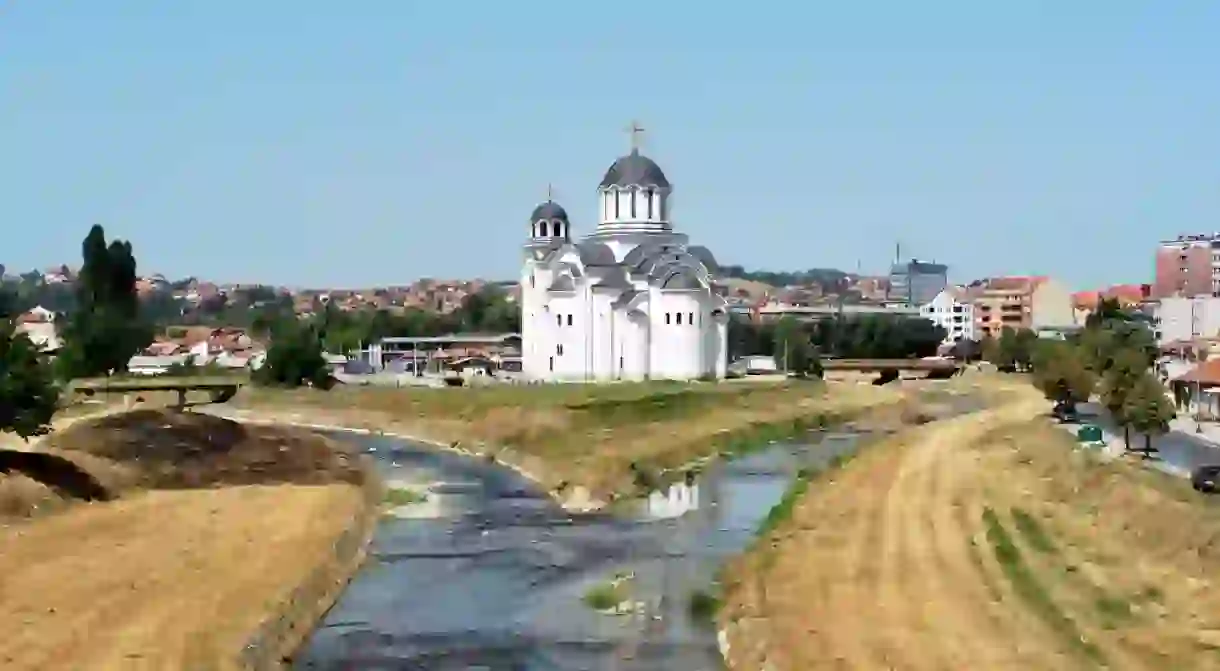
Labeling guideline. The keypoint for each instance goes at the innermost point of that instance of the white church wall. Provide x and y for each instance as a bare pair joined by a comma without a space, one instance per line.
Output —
603,336
721,349
675,350
565,356
639,346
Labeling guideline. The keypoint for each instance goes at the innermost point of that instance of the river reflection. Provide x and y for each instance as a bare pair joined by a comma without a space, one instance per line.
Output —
496,578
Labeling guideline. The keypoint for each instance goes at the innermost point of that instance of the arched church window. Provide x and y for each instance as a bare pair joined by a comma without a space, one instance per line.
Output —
633,191
616,203
679,319
557,229
559,320
667,317
690,318
569,320
542,229
648,203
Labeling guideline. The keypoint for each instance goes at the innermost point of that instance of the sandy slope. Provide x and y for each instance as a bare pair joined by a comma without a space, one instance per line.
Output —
889,563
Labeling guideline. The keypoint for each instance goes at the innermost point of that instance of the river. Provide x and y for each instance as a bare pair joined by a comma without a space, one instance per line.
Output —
489,573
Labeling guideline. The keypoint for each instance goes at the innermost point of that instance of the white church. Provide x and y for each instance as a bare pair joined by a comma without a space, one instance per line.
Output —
631,300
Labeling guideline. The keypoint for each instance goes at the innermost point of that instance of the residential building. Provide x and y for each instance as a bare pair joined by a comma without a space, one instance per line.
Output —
916,283
1035,303
1180,319
1188,265
951,310
633,300
39,325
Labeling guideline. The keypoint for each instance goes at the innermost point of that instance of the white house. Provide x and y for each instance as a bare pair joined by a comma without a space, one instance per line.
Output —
951,311
39,325
631,301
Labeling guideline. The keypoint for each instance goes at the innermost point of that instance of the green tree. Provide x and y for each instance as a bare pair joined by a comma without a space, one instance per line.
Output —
28,394
295,358
1004,353
1025,343
1122,376
1148,410
1062,376
105,328
794,350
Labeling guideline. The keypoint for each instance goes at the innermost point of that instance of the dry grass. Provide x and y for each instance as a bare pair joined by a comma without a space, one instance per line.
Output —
216,530
162,580
23,496
582,435
165,449
983,542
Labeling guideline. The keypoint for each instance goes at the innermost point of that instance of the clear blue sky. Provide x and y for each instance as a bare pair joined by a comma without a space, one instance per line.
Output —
374,142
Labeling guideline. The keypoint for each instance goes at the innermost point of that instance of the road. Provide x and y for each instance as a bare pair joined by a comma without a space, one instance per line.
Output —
1180,452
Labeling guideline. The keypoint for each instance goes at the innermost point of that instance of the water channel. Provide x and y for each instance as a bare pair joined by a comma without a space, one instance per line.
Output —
490,574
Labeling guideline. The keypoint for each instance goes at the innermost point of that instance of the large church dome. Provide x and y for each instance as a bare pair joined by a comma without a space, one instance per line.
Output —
635,169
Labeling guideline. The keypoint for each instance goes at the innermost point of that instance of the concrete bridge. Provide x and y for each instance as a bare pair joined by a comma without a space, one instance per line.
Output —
219,389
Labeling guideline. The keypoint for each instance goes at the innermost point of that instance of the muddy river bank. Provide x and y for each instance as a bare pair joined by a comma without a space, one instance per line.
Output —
490,573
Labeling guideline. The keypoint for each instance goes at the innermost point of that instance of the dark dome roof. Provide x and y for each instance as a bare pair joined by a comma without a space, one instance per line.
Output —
549,210
634,169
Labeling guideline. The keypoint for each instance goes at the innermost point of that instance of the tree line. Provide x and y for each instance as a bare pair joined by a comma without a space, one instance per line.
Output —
99,336
105,323
1113,357
799,346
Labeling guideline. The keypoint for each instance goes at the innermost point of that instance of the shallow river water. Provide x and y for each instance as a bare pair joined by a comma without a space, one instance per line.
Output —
495,577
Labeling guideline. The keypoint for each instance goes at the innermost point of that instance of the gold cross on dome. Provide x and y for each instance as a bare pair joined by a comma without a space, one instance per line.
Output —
550,192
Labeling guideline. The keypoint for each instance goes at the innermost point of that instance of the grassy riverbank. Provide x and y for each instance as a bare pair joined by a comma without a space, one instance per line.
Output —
204,534
984,541
604,439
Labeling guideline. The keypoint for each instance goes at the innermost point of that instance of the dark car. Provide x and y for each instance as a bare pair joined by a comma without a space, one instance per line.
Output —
1204,478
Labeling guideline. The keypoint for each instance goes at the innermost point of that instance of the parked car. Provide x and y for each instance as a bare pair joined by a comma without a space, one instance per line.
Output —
1204,478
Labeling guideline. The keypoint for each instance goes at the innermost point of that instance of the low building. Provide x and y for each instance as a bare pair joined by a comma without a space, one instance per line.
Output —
1183,319
415,354
951,310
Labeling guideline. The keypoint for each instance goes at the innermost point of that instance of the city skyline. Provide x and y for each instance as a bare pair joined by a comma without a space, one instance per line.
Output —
349,148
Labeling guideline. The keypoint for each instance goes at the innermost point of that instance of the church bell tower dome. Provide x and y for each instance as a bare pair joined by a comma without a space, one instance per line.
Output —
634,194
549,221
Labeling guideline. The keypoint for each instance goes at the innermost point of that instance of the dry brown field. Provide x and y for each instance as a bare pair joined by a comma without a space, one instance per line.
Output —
200,531
983,542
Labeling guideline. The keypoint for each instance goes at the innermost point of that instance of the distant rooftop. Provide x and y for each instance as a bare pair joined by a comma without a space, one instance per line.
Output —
452,338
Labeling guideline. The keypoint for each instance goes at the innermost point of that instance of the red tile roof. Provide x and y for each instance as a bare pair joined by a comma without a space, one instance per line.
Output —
1207,373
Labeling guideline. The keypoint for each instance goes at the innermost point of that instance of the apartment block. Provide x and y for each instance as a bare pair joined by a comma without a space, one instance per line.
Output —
1035,303
1188,265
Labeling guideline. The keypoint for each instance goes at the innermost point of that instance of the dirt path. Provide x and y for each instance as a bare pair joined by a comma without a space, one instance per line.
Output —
927,553
163,580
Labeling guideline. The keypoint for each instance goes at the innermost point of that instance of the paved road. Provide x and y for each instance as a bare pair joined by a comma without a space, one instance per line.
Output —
1180,452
